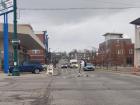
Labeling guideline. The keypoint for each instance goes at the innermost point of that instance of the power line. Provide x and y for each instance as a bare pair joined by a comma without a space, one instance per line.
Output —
68,9
109,2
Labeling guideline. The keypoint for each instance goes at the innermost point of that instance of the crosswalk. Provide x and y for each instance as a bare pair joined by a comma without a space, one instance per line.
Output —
66,73
68,70
72,73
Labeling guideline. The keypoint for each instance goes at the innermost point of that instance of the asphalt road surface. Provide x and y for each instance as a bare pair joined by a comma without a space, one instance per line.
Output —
70,88
95,88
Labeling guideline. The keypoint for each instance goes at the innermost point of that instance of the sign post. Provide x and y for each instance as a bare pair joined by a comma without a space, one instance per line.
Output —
46,45
6,7
15,44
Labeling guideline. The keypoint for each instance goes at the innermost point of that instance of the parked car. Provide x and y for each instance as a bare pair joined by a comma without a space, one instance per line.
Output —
34,67
45,66
89,67
64,66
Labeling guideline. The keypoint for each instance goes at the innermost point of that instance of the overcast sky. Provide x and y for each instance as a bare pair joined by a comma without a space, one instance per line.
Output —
79,29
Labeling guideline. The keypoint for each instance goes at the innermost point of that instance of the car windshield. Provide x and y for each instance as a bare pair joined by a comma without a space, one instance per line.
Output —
64,64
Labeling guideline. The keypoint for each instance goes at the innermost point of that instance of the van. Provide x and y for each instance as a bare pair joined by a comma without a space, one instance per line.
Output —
74,63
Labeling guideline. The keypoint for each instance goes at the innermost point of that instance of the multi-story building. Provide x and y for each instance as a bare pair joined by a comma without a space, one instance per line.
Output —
115,50
137,43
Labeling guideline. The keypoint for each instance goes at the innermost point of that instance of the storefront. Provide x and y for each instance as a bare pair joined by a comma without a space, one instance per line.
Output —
28,41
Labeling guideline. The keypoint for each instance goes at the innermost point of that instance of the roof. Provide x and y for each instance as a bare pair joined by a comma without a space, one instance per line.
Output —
136,22
26,36
113,34
39,32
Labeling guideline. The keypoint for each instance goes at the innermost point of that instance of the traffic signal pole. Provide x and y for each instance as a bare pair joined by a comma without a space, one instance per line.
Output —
15,42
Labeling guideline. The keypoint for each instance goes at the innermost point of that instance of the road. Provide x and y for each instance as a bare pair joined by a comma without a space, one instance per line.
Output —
95,88
68,88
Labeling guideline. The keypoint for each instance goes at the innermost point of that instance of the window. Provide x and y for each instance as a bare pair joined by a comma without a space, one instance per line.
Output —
119,52
118,41
36,51
130,51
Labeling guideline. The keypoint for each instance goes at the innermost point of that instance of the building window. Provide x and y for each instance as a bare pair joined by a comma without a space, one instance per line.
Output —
36,51
118,41
130,51
119,52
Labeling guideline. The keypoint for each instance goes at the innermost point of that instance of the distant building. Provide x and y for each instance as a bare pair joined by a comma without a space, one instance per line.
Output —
115,50
86,55
137,42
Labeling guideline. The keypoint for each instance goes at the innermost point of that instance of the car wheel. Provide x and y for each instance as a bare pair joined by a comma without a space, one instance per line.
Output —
36,71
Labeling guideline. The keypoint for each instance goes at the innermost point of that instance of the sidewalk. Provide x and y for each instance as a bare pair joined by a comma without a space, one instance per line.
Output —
136,71
3,75
23,75
123,70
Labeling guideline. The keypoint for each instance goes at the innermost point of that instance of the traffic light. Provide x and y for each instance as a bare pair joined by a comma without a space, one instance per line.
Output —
16,46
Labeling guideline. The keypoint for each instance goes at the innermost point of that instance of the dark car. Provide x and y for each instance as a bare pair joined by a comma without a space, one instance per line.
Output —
34,67
89,67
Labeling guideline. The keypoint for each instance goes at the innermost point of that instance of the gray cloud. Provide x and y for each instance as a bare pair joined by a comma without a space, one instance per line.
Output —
79,28
71,16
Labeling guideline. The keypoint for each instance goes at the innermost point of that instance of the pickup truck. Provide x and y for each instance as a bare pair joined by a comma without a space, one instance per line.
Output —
34,67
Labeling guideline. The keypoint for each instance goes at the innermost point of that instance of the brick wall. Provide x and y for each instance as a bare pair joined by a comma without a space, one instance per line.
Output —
38,54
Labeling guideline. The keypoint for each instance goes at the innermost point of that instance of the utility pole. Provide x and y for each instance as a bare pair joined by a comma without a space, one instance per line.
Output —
15,42
46,45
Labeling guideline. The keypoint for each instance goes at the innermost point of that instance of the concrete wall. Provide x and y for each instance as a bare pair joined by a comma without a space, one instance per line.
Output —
108,37
137,47
137,37
137,58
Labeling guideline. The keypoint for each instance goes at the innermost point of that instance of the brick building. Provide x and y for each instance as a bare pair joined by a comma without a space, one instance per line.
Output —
115,50
39,55
28,41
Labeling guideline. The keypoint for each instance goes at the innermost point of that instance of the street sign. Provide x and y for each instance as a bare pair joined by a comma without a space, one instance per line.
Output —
6,6
16,41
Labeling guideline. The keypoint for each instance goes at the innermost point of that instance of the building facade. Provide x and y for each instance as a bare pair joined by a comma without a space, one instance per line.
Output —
38,55
137,43
27,39
115,51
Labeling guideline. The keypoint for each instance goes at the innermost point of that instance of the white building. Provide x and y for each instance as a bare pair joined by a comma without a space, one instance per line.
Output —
137,42
109,36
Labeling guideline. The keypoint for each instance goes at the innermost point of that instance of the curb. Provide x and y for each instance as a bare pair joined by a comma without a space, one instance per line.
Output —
119,72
